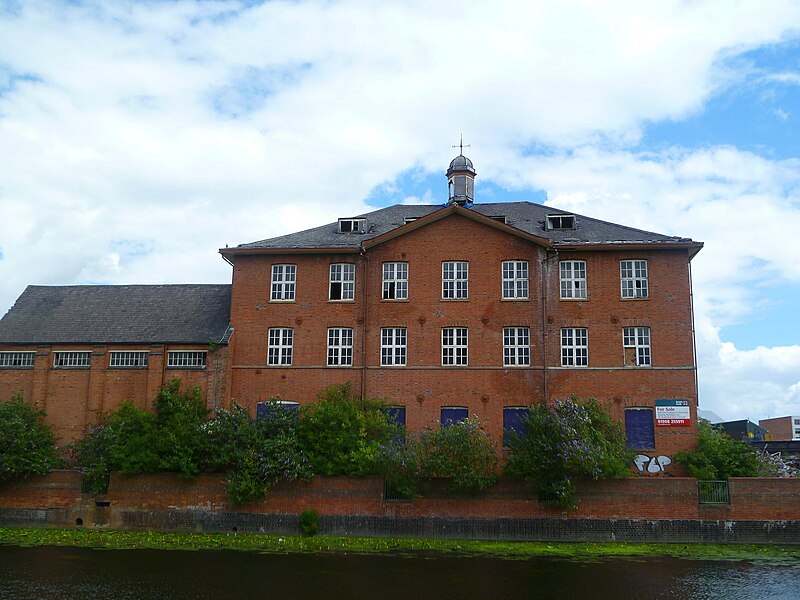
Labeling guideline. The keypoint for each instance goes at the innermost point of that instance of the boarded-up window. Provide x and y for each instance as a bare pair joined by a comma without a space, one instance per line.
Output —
265,409
639,428
397,415
453,414
512,422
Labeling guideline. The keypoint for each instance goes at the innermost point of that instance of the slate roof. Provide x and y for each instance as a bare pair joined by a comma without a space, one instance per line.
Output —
123,314
527,216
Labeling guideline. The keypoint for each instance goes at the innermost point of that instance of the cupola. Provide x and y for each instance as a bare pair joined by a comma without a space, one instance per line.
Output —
461,180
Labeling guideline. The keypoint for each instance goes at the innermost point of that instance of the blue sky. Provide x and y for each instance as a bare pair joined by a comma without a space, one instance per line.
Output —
137,138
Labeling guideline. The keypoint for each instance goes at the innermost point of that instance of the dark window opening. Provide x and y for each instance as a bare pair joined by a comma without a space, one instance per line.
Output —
560,221
336,290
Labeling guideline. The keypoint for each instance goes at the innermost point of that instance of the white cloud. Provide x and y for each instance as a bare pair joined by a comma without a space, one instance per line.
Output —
139,137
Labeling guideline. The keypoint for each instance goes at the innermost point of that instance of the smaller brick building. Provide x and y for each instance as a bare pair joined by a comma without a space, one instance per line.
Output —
782,428
77,351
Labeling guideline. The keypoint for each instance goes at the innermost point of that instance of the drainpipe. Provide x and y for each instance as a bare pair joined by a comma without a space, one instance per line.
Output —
544,281
694,342
365,286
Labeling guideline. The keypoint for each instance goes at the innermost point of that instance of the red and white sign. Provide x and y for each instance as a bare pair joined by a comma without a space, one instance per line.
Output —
673,413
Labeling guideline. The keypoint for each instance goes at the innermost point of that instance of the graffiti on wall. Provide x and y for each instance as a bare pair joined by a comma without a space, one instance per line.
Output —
651,464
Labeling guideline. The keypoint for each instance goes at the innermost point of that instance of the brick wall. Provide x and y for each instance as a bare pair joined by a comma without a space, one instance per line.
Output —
636,509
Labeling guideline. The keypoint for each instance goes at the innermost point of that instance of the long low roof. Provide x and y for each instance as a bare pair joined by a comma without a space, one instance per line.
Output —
119,314
525,216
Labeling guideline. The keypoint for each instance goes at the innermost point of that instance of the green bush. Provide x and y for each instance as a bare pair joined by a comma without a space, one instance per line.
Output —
258,453
718,456
564,441
27,445
132,440
464,453
309,522
341,433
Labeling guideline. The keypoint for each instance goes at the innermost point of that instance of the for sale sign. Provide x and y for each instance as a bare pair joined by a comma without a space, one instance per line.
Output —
672,413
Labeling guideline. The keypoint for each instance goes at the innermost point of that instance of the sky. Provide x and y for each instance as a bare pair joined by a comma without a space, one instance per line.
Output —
137,138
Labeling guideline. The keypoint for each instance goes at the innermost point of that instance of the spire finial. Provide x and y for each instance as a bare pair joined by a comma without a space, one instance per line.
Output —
461,146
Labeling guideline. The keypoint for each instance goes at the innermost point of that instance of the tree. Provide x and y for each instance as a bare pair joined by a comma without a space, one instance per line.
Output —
564,441
718,456
27,445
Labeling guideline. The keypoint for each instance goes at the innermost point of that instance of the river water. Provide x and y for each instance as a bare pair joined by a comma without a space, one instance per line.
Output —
66,573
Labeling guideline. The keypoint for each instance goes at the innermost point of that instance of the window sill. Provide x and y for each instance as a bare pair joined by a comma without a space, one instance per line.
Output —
338,366
19,368
390,300
515,299
83,368
577,299
454,300
136,368
635,299
345,301
186,368
282,301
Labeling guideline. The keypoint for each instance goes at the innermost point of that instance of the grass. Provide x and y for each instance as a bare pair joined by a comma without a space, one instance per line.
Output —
112,539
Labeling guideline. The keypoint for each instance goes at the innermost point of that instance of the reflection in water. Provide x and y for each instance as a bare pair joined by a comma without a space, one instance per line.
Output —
66,573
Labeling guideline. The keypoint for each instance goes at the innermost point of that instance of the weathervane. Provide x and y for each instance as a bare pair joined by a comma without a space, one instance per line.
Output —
460,146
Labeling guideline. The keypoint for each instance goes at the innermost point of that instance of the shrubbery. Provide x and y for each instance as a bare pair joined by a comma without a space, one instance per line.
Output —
564,441
718,456
258,453
463,452
132,440
341,433
27,445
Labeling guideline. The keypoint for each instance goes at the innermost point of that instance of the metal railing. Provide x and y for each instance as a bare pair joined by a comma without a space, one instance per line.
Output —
392,492
713,492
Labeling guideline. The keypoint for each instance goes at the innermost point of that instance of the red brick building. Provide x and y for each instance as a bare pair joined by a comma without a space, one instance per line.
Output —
472,309
447,311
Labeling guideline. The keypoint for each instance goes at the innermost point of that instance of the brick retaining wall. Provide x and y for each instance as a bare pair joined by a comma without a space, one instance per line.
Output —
636,509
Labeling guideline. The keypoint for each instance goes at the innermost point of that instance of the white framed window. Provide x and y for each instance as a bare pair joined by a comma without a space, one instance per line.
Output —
515,279
633,278
71,360
455,280
636,345
17,360
454,346
284,278
342,281
393,346
573,278
574,347
128,359
395,281
182,359
516,346
279,350
340,347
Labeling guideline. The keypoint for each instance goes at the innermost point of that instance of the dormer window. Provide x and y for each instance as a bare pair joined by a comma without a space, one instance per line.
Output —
500,218
560,222
407,220
352,225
